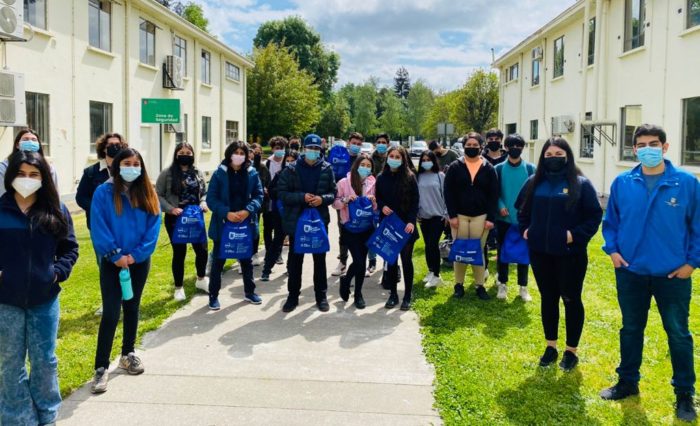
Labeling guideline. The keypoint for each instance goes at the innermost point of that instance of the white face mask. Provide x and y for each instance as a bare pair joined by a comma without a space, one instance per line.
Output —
26,186
237,160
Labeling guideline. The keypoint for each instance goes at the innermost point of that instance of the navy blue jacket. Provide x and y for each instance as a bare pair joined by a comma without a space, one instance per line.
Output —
93,176
32,262
547,219
218,200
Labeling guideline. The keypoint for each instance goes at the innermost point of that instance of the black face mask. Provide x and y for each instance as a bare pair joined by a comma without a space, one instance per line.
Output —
494,146
472,152
554,164
185,160
294,147
112,150
514,152
257,158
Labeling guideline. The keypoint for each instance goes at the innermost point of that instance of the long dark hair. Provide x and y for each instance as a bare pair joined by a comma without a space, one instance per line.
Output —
406,174
432,157
572,173
355,179
176,171
18,137
46,211
141,193
233,147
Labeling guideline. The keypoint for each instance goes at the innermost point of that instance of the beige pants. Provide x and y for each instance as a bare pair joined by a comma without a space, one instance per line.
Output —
470,228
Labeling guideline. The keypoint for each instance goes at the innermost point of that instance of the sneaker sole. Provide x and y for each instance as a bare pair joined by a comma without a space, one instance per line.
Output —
252,302
97,391
214,309
133,373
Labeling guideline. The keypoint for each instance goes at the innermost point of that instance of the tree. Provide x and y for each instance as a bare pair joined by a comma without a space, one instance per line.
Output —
335,118
402,83
305,43
418,104
477,103
195,15
392,119
443,111
282,99
364,119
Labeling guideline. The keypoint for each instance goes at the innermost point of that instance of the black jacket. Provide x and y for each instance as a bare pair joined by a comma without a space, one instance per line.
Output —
92,178
389,194
467,198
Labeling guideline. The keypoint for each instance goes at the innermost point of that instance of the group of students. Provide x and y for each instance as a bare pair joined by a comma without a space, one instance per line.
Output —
651,231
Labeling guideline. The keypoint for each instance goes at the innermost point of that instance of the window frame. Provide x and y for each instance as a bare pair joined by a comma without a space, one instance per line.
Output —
632,41
145,27
554,58
515,128
513,72
206,132
205,67
43,128
235,76
592,24
182,50
625,142
28,14
103,7
536,63
107,122
534,129
692,18
231,139
685,134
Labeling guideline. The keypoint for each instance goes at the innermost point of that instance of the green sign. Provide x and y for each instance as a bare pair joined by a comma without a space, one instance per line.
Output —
160,111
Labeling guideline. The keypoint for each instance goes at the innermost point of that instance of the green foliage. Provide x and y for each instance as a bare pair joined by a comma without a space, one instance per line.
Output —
194,13
282,99
418,104
364,107
305,43
443,111
402,83
335,118
477,103
392,120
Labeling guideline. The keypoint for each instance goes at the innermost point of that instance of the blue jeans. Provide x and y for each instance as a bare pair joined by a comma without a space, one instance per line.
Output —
634,293
35,398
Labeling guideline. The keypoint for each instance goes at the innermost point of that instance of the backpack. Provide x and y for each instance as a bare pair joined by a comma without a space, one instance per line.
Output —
339,158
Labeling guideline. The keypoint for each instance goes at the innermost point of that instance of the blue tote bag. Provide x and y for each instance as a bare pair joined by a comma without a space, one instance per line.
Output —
236,240
468,251
389,239
514,247
311,236
361,216
190,228
339,157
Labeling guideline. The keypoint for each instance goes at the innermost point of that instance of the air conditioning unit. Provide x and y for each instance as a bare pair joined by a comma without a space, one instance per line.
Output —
537,53
563,125
12,20
174,128
173,73
13,108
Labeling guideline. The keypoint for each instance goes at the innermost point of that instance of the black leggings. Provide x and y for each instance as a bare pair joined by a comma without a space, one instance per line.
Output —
407,266
561,277
272,223
112,304
357,245
180,252
432,231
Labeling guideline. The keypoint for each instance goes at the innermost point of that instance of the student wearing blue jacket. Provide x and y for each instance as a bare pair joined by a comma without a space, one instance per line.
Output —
235,194
652,234
37,252
125,224
558,214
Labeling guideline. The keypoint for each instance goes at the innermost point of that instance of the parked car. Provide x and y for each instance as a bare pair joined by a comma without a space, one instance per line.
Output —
418,147
367,148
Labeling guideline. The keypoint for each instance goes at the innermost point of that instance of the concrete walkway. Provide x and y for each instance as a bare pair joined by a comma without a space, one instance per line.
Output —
257,365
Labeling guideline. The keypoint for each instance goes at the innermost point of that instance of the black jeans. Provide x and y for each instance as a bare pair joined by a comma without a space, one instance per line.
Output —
180,252
112,304
217,267
343,248
256,238
502,229
295,263
561,277
356,244
407,265
432,231
273,230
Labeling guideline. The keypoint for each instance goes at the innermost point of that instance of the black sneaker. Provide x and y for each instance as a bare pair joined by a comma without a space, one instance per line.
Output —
265,276
568,361
406,304
290,305
459,291
344,288
392,301
685,409
360,302
323,305
549,357
481,293
621,390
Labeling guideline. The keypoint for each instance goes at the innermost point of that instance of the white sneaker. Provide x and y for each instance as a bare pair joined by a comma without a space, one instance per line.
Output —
179,294
202,284
339,270
502,291
256,260
428,277
524,294
433,282
486,274
240,269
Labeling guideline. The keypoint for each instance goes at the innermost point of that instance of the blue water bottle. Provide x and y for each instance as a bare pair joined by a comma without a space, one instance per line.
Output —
125,281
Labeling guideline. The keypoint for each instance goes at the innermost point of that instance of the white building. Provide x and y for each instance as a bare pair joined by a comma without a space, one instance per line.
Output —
598,70
88,64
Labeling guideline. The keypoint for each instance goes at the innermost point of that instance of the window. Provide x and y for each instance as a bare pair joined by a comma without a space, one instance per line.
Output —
534,130
586,148
100,18
559,57
233,72
631,117
512,72
536,63
147,42
180,50
182,136
635,14
691,131
693,12
38,117
511,128
35,13
591,41
206,132
100,121
231,131
206,67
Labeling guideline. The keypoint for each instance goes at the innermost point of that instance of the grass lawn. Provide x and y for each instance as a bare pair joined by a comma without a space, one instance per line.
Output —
486,353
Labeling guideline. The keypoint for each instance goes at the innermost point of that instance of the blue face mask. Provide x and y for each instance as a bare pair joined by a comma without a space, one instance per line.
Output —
426,165
129,174
381,148
364,171
394,163
279,153
650,157
355,149
312,155
29,145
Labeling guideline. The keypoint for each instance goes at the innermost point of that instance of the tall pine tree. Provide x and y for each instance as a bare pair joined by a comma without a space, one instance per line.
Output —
402,83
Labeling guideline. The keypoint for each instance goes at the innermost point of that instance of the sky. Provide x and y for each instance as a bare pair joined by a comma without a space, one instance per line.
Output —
438,41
